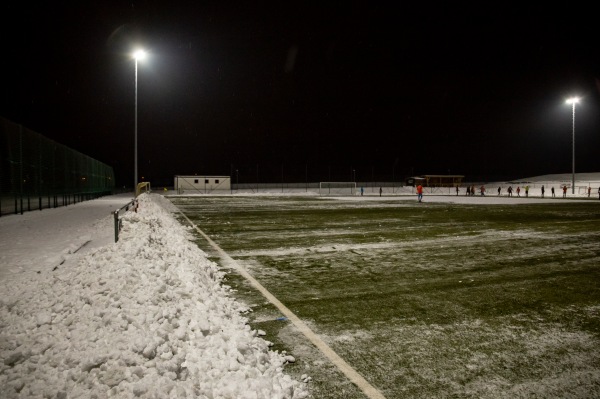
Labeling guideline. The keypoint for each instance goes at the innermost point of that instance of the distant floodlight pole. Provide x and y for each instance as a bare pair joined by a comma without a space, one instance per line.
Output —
138,55
573,101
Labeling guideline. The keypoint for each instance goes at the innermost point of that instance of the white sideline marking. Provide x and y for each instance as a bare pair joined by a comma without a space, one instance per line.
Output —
344,367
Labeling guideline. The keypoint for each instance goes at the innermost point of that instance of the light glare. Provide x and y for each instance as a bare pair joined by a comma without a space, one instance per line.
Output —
573,100
139,55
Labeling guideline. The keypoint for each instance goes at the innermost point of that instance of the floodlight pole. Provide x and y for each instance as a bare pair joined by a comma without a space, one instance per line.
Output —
135,156
137,55
573,149
573,101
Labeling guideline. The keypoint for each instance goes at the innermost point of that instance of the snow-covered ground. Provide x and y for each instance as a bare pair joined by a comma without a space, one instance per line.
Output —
83,317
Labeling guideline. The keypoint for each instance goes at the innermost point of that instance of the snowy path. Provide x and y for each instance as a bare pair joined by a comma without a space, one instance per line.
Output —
41,240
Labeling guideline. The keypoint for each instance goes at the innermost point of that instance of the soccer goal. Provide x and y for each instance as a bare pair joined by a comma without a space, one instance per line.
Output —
143,187
337,188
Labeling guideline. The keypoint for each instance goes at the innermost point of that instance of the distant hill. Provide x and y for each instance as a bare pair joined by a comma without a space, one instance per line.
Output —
580,177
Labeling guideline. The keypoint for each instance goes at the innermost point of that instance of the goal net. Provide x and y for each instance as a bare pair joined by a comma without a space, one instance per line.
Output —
337,188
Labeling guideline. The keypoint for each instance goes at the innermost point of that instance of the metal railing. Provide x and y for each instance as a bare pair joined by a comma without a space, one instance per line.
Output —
133,203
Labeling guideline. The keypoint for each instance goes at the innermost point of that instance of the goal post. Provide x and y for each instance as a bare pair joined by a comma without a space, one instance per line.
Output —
143,187
337,188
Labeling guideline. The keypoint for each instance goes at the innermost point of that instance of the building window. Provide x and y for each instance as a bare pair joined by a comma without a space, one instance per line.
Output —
195,181
216,181
206,181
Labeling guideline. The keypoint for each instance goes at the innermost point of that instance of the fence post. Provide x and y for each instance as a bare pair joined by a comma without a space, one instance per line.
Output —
116,216
132,203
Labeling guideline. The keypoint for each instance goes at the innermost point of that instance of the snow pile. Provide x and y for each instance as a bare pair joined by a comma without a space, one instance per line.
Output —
145,317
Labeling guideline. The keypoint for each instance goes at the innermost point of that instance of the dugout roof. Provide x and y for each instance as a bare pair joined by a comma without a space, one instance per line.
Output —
443,180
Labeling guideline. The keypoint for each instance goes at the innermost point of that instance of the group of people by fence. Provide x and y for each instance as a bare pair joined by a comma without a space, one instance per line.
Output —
518,191
471,190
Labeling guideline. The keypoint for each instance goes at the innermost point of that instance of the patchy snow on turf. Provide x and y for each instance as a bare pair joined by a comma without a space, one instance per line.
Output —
145,317
458,360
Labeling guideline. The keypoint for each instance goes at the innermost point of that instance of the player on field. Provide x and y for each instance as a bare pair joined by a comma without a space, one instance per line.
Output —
419,192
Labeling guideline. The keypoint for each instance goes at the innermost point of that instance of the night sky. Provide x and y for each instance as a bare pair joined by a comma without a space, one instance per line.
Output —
294,91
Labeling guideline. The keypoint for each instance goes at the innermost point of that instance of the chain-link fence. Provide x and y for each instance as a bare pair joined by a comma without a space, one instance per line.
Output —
37,173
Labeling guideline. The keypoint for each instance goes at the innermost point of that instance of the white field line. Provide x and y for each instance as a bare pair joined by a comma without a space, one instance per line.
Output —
344,367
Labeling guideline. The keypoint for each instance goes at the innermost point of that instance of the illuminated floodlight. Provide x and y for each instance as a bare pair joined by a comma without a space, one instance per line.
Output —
139,55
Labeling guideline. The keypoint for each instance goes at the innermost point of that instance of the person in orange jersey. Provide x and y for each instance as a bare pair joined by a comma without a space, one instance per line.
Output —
419,192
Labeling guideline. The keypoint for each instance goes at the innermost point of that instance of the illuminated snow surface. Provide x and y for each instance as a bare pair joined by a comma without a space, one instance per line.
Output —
82,316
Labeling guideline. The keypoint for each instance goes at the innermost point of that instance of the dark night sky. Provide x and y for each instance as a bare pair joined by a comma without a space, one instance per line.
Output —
303,89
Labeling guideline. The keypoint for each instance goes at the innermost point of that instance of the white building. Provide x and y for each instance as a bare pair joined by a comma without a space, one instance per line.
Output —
202,184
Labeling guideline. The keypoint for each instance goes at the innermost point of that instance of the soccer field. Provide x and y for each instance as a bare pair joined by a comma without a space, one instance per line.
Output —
429,300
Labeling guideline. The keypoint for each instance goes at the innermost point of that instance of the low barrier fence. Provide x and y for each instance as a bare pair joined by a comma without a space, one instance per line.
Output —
18,204
133,204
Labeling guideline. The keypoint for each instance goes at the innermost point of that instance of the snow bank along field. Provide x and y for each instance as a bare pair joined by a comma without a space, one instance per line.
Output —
146,317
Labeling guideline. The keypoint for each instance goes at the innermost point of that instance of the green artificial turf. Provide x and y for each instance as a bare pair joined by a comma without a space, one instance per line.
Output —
424,300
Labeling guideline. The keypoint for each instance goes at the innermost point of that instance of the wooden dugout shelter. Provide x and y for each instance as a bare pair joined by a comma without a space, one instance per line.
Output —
443,180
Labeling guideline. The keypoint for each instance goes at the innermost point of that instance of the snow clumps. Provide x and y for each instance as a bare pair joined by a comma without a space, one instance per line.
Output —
145,317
